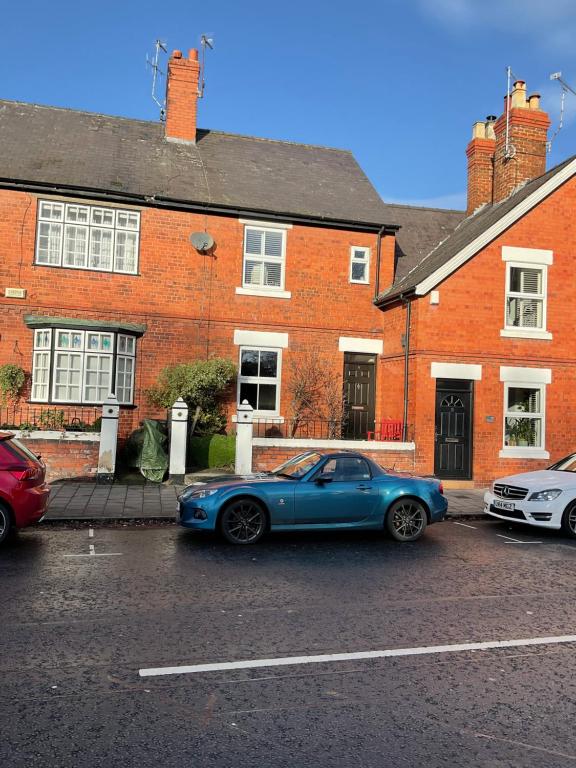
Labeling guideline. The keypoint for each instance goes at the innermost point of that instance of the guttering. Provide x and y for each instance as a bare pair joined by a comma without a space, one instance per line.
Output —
160,201
394,297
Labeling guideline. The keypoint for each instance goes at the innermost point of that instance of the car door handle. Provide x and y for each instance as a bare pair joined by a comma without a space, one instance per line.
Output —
364,487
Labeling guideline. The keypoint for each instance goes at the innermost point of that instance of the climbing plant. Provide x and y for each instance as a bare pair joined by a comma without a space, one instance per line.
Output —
12,379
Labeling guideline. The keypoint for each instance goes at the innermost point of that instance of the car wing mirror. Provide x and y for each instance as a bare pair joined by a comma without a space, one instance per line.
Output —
323,477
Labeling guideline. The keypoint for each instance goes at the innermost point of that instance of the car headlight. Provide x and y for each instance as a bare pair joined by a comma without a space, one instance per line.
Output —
548,495
203,493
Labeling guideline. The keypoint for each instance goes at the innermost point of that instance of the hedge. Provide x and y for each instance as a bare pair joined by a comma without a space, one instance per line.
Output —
212,451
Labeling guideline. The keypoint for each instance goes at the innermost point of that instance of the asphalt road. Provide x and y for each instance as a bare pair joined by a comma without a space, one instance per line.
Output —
81,615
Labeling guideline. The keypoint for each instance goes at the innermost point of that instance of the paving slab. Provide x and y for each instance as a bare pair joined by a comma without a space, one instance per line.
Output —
81,501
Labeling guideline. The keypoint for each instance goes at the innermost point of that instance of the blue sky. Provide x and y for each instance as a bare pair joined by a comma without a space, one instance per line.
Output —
399,82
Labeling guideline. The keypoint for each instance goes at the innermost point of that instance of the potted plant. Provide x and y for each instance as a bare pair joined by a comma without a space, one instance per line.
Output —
521,432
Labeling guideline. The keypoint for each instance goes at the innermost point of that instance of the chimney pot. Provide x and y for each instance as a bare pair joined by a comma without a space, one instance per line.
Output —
176,54
193,54
479,130
534,101
519,95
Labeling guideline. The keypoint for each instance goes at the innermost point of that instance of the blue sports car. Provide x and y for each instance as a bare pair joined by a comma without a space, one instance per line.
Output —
314,491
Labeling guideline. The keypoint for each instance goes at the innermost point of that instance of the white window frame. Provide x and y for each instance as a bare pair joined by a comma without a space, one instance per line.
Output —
354,260
261,288
533,379
47,355
261,380
130,226
528,330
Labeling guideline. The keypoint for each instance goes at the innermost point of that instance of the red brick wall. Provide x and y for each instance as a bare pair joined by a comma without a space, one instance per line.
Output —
465,328
66,458
188,300
266,458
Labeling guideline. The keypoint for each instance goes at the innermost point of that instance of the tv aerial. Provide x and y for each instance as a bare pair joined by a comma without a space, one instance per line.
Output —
159,45
565,89
202,241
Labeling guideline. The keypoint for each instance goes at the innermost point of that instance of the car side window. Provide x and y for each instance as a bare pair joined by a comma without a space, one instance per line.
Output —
350,469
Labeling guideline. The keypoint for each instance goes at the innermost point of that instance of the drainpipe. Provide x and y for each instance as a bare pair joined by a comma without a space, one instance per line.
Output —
406,359
378,255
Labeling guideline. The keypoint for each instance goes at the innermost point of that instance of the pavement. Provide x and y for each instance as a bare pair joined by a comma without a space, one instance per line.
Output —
73,501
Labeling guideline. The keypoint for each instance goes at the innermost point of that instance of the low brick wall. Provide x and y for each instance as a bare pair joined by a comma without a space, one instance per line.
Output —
66,455
269,453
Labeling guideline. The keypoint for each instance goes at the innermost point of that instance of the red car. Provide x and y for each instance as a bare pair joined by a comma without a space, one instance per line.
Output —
23,490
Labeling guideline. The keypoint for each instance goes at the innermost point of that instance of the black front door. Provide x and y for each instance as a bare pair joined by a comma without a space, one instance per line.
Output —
359,393
453,439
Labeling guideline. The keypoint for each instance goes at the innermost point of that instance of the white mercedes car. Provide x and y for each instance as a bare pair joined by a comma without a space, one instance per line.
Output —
545,498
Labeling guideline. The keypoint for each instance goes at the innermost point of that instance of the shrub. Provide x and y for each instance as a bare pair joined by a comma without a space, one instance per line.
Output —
12,379
212,451
202,385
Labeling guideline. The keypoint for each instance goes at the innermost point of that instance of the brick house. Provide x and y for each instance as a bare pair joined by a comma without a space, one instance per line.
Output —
478,334
101,286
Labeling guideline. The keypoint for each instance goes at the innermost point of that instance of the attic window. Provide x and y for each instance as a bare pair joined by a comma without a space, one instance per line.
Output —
78,236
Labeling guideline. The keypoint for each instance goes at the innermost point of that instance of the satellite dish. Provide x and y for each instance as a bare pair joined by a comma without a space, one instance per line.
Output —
202,241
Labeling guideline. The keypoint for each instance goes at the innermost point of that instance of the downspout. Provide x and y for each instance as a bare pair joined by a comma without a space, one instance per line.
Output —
378,256
406,360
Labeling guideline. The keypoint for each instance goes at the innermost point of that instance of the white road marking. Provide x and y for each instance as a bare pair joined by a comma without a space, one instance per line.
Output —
97,554
510,540
90,533
92,550
333,657
466,526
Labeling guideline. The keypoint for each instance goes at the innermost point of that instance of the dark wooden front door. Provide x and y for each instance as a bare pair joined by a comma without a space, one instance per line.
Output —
453,439
359,393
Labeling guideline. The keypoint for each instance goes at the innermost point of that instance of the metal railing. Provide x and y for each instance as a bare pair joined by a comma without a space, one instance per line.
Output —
318,429
44,417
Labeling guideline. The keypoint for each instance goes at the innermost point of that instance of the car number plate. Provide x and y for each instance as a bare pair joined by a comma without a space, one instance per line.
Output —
507,505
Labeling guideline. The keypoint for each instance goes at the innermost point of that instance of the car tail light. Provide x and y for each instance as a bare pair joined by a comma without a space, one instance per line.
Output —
32,473
440,488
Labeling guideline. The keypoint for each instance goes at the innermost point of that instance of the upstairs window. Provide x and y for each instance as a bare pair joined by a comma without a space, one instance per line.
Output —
359,265
526,296
82,366
264,258
87,237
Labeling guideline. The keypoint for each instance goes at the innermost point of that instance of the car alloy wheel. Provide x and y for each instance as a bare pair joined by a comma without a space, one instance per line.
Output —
243,522
5,523
406,520
569,520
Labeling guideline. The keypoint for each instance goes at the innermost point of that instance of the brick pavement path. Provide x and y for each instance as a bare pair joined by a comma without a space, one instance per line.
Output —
89,501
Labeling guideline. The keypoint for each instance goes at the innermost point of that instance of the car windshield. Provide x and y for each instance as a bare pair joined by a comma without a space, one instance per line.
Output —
567,464
298,466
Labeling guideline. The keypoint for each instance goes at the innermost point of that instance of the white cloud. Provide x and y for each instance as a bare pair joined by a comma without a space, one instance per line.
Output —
456,200
551,23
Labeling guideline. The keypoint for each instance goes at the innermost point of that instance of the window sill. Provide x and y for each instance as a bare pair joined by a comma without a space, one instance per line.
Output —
260,417
359,282
272,294
521,452
524,333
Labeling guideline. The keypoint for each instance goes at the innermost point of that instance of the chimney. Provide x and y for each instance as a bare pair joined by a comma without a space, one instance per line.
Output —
182,97
505,153
524,156
480,154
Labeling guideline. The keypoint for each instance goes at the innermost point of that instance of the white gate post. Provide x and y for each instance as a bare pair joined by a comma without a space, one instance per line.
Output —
108,440
178,439
244,428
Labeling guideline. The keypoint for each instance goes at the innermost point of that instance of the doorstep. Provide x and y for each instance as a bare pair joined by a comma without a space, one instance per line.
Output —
455,485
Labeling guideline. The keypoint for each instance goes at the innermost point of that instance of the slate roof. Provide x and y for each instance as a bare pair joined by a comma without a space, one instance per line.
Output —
89,151
421,230
465,233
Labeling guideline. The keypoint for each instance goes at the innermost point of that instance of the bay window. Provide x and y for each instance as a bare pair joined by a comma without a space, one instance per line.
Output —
82,366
